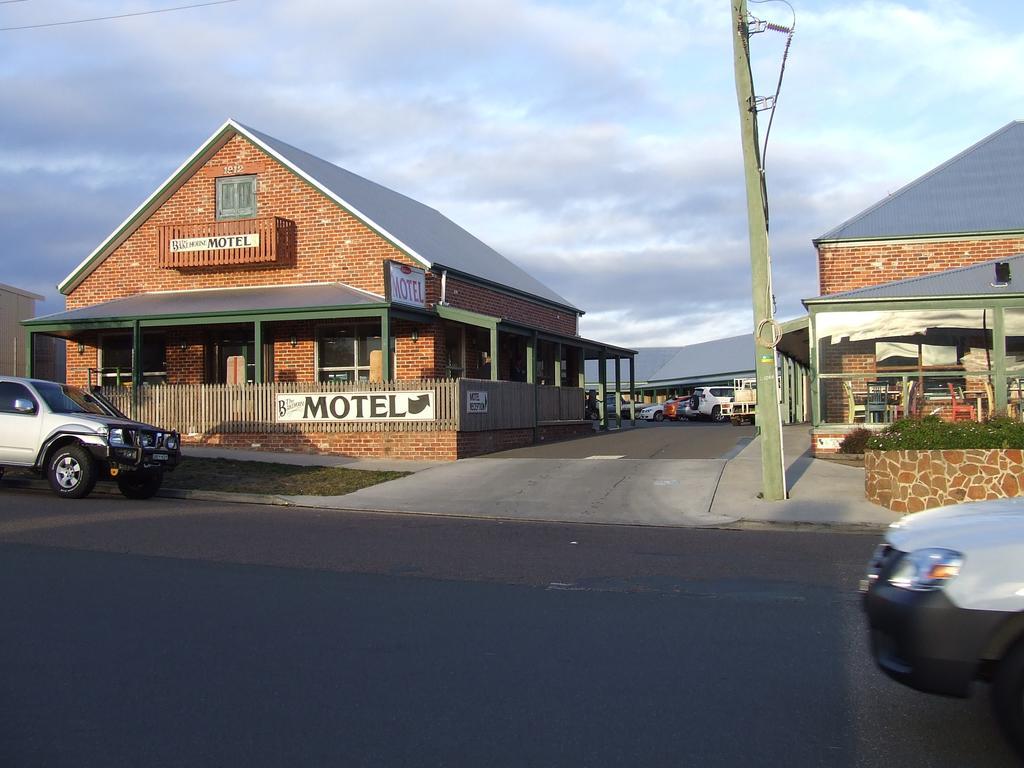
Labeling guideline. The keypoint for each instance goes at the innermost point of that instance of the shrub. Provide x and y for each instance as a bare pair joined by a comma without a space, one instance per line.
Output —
856,441
931,433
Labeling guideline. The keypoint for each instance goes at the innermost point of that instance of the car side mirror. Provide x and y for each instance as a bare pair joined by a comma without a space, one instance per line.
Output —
22,405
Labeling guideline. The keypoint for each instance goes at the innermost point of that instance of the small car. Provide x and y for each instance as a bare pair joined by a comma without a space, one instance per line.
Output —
592,410
674,407
74,437
944,598
655,412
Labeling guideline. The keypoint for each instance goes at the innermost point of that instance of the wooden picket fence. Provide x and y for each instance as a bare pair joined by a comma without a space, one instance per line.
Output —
205,409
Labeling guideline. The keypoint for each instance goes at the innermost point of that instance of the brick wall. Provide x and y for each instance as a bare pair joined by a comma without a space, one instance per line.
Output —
846,266
332,245
476,298
420,446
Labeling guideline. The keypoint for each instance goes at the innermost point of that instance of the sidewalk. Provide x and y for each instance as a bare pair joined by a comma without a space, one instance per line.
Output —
656,492
820,491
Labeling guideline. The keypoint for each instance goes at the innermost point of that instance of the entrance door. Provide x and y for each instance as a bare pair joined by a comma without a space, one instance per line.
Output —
226,352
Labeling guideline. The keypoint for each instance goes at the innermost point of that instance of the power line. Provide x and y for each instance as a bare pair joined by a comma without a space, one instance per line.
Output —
108,18
8,2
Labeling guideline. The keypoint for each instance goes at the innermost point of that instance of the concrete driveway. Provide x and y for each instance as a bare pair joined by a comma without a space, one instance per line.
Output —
649,440
656,474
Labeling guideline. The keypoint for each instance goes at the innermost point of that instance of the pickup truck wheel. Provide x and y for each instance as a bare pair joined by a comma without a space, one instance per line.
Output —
659,416
716,414
1008,696
72,472
140,485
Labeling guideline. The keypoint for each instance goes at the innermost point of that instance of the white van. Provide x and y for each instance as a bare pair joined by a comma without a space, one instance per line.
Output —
944,597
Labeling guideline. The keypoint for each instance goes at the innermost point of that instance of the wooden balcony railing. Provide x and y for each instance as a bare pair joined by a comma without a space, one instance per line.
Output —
212,244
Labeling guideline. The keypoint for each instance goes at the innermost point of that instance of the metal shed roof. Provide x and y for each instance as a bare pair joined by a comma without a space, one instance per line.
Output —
975,280
709,359
979,190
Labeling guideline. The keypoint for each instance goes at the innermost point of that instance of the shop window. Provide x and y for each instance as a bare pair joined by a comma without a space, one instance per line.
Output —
236,197
1014,325
116,359
454,351
345,353
926,341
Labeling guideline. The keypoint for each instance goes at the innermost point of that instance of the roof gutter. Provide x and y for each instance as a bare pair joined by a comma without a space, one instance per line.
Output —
869,239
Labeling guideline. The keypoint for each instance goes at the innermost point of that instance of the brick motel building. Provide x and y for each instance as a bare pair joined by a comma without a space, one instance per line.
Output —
265,298
920,312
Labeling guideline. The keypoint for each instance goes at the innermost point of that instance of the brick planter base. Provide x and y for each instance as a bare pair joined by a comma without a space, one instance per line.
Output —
912,481
422,446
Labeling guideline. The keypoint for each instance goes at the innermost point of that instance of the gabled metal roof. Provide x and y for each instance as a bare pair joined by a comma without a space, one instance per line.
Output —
217,301
975,280
710,358
666,365
437,240
416,229
981,190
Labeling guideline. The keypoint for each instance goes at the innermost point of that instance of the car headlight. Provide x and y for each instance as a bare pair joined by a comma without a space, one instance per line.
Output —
926,569
116,437
171,443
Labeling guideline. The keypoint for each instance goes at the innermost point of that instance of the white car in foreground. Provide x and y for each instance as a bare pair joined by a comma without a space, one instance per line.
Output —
654,412
944,597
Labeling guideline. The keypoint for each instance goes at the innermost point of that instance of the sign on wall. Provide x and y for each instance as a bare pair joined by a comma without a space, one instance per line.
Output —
476,402
355,406
215,242
405,284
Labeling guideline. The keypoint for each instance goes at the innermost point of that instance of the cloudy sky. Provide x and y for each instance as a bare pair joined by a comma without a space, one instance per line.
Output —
594,143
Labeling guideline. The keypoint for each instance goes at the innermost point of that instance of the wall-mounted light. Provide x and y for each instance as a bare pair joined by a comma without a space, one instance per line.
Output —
415,334
294,341
81,348
184,346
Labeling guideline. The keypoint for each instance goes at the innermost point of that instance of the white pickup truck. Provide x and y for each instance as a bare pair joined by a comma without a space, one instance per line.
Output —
944,597
75,437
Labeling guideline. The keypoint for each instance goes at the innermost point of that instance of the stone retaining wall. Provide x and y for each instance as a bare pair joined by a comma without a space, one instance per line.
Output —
912,481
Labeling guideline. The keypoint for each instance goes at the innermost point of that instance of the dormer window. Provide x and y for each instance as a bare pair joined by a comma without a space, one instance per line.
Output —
236,197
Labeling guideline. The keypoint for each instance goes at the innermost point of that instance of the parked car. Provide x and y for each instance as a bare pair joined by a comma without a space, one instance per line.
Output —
690,408
711,399
592,411
674,407
653,412
945,605
74,437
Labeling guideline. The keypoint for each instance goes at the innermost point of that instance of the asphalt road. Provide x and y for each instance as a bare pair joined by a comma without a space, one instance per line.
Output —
174,633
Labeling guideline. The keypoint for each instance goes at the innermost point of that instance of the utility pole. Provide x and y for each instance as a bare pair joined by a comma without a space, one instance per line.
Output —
769,415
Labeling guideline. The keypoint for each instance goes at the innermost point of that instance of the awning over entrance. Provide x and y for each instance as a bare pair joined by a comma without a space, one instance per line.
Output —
218,302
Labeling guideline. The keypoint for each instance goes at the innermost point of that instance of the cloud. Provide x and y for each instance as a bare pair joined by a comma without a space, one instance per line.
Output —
594,143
